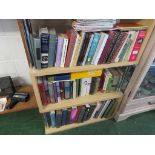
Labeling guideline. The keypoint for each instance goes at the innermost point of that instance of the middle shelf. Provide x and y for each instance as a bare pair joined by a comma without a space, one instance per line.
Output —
81,101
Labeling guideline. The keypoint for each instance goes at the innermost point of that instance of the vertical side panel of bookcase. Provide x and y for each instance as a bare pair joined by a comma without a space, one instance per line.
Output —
36,92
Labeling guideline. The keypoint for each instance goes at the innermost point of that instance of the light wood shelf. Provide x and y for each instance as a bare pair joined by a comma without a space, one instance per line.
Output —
61,70
91,99
74,125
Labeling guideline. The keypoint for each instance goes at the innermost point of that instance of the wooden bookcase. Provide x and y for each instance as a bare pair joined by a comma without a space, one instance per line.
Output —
34,73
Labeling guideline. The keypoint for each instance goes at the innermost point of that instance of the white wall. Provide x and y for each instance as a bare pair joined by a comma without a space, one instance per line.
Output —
12,55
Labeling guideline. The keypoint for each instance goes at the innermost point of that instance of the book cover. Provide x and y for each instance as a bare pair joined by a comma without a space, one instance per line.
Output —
85,82
109,46
81,114
85,74
64,49
85,117
94,85
78,48
42,91
58,118
59,51
67,89
62,77
93,48
58,91
83,49
62,90
73,115
104,108
53,122
137,45
37,51
100,47
44,49
64,116
98,105
72,35
88,49
52,47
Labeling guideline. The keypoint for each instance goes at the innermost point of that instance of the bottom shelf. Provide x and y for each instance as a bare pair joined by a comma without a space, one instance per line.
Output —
74,125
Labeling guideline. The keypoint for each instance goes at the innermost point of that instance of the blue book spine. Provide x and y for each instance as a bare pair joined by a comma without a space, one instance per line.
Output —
53,121
62,77
44,50
64,116
67,89
52,49
93,48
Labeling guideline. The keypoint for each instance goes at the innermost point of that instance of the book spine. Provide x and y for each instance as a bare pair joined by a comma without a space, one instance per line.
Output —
83,88
53,122
81,114
94,85
64,116
104,108
88,49
85,117
55,92
97,55
77,87
92,108
51,92
52,49
67,89
88,86
74,89
59,51
44,50
62,92
98,105
93,47
48,119
73,115
46,88
64,52
99,110
58,91
137,45
58,118
62,77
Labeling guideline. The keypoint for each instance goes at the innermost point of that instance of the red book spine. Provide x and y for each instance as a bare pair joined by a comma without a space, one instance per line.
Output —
72,39
138,43
102,79
42,93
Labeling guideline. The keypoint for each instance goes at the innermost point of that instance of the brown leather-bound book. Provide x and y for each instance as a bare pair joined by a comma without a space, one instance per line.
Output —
102,78
84,49
72,35
109,46
62,92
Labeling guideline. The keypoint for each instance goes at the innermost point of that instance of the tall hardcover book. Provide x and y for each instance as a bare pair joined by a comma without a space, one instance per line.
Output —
42,91
52,47
72,35
137,45
58,118
73,115
85,86
100,47
53,119
93,48
102,79
64,116
59,51
67,89
94,85
109,46
44,49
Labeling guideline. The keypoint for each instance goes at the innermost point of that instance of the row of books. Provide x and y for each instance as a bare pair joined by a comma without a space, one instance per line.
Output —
84,48
56,88
58,118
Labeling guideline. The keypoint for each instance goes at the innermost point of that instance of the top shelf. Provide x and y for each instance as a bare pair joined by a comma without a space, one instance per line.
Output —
60,70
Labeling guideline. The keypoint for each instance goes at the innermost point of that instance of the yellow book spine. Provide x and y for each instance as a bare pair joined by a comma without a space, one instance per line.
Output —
85,74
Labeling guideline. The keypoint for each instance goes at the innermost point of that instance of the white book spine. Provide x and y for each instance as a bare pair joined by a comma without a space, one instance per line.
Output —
64,52
88,86
88,48
74,89
83,89
99,52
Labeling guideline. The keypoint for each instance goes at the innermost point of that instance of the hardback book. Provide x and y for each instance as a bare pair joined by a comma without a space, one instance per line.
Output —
94,85
64,116
42,91
71,89
81,114
58,118
73,115
62,77
72,35
74,89
53,122
37,51
92,108
107,82
77,87
78,112
99,109
88,49
51,89
62,90
112,109
85,74
121,40
48,119
93,48
64,49
52,47
100,47
68,115
137,45
85,86
67,89
102,79
58,91
55,92
83,49
44,49
98,105
88,86
106,104
113,35
85,117
59,51
78,48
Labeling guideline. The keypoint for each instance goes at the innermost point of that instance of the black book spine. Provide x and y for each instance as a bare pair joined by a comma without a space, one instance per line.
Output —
80,118
58,118
92,108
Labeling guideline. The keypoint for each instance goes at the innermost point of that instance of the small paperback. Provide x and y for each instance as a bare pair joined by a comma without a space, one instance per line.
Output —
3,102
